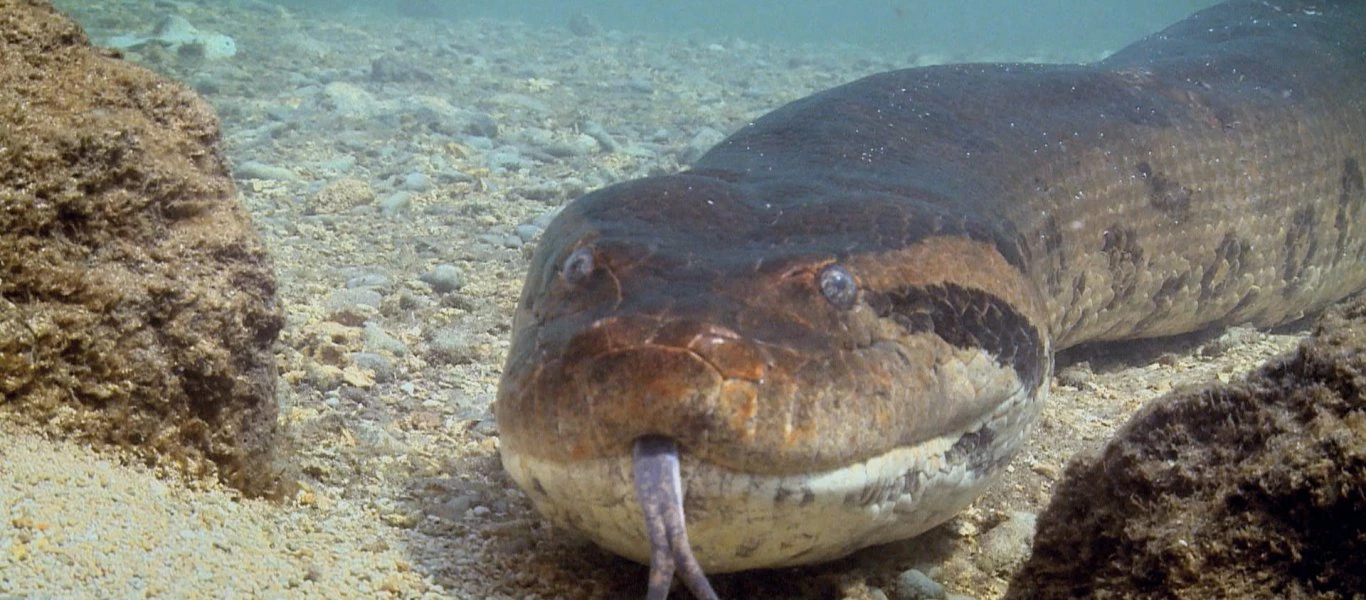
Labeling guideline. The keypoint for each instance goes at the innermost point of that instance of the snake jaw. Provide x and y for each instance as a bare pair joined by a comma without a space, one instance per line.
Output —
659,489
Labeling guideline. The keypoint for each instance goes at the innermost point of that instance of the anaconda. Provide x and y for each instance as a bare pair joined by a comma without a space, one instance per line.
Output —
837,327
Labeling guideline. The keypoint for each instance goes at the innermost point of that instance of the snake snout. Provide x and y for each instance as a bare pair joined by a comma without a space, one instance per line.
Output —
659,489
691,381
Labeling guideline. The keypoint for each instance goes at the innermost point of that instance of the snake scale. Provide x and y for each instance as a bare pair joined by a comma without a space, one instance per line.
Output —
837,327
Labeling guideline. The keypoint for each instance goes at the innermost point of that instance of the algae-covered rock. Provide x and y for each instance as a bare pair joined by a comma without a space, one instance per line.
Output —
137,304
1252,490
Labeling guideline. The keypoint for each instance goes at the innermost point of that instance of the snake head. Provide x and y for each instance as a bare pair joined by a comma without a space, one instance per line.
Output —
809,382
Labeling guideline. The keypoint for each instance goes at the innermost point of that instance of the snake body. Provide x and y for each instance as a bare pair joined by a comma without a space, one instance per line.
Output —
837,327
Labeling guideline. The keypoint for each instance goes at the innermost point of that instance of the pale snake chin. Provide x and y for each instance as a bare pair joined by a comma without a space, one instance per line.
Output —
837,328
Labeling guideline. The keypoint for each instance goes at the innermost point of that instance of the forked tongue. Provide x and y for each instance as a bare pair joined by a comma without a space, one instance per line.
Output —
659,489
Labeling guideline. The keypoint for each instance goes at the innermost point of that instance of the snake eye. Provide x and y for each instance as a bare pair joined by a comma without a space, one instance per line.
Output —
578,266
838,286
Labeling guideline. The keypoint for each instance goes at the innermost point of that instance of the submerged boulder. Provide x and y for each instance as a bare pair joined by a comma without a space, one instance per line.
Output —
1256,489
137,304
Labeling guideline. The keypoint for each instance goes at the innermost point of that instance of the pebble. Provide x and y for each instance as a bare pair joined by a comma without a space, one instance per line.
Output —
478,142
581,145
573,187
378,438
370,280
435,114
353,297
382,367
347,100
537,154
1076,375
395,203
408,300
391,68
444,278
522,103
379,340
1007,545
354,141
527,232
339,196
485,428
599,133
352,306
482,125
341,164
323,377
1234,337
501,240
453,510
416,182
701,142
452,346
533,136
453,175
640,84
258,137
544,192
258,170
507,158
912,584
280,112
543,220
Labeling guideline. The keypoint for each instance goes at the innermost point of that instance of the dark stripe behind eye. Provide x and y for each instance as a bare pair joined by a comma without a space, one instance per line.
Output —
969,318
